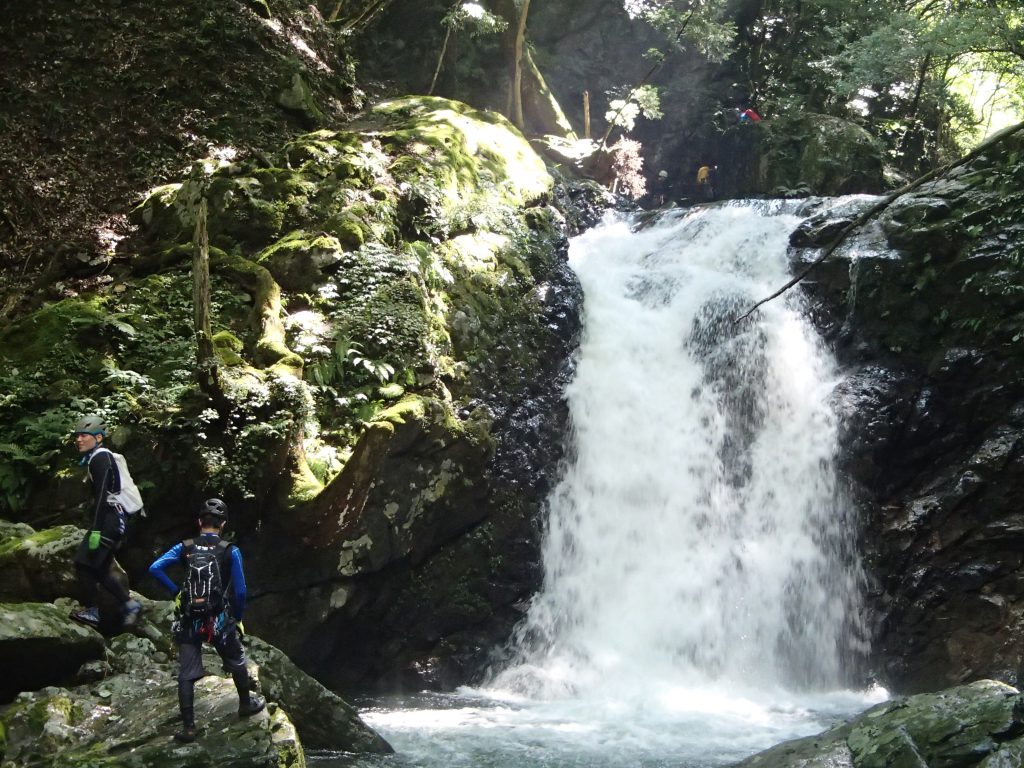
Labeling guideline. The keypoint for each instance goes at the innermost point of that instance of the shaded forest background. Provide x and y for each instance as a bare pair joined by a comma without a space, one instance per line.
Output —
104,102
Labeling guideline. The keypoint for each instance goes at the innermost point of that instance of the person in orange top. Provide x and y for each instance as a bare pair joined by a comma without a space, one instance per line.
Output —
704,182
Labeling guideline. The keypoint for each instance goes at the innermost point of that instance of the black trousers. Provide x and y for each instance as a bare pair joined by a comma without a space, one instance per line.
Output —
229,647
94,568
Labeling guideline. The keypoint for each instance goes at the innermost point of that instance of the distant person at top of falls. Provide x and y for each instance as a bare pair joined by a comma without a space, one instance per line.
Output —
660,188
749,116
705,182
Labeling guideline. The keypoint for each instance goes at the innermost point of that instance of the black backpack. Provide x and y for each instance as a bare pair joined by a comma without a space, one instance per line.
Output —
207,573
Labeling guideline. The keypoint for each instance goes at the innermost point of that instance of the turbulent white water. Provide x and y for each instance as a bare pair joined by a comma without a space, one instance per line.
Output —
700,592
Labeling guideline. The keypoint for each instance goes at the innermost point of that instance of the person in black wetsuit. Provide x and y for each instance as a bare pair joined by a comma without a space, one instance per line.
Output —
209,609
94,559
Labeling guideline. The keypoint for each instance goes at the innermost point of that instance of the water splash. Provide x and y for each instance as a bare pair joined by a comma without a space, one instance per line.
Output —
698,539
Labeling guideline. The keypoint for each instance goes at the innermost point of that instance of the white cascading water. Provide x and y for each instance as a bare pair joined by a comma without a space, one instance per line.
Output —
698,536
700,589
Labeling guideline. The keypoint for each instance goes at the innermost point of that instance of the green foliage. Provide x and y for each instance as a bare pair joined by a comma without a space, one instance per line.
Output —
473,18
623,111
916,74
800,190
701,25
347,357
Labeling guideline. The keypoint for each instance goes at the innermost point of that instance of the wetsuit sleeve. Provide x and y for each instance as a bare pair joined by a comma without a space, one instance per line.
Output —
159,566
238,582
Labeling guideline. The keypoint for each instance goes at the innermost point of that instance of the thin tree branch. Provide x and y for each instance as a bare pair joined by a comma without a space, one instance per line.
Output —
880,206
444,50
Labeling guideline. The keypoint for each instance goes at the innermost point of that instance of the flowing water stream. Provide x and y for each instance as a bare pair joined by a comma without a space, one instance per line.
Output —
700,600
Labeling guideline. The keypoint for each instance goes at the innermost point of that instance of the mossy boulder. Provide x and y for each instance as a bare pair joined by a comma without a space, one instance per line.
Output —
38,566
298,97
120,722
977,724
40,645
812,154
323,719
120,707
298,260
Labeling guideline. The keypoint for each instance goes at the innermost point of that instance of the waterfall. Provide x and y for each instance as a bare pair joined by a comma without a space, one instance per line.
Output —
698,539
700,586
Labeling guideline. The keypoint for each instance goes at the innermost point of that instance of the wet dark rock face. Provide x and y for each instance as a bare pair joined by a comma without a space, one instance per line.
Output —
924,307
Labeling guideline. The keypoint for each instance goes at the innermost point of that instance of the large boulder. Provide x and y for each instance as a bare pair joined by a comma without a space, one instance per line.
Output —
815,153
120,700
37,566
40,646
924,306
323,719
118,722
977,724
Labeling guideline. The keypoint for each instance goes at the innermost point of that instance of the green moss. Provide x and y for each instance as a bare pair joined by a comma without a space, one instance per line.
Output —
37,540
411,407
305,485
298,97
298,241
227,347
227,341
350,232
54,328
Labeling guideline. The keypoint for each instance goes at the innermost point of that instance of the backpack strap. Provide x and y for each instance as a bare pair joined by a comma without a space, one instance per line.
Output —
113,463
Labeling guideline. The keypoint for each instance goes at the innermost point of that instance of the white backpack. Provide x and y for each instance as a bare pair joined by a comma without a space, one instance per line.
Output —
128,498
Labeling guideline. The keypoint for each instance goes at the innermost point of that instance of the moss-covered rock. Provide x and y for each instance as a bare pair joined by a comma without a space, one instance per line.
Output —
40,645
118,722
816,154
122,707
38,566
977,724
323,719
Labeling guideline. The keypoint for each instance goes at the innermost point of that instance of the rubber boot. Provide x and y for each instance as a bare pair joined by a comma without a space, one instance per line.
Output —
186,699
248,703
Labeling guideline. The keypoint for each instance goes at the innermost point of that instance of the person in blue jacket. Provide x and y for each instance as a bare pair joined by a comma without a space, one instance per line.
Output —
209,608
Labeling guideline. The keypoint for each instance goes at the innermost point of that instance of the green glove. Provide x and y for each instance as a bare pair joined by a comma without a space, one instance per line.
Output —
177,602
241,629
94,540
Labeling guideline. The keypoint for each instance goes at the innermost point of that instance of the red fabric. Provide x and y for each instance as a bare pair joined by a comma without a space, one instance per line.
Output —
752,115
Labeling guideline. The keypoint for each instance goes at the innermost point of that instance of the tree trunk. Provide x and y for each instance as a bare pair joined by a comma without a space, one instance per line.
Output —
586,114
206,368
517,79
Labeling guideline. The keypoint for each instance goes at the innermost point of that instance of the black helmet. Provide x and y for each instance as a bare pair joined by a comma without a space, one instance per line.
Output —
214,508
91,424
